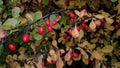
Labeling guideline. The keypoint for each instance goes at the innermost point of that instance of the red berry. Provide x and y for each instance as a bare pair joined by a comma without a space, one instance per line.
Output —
78,28
72,15
49,29
74,55
49,63
71,20
83,25
93,63
116,27
64,36
26,38
86,27
54,22
70,31
12,47
47,21
40,30
43,64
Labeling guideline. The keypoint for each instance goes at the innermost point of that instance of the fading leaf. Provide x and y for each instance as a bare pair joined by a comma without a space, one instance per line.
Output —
70,62
118,32
54,43
75,33
109,20
91,46
92,25
81,35
86,61
59,63
29,16
109,27
107,49
68,56
99,16
97,55
52,52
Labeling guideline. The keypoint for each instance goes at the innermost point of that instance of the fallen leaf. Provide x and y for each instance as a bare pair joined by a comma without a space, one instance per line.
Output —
68,56
118,32
70,62
54,43
81,35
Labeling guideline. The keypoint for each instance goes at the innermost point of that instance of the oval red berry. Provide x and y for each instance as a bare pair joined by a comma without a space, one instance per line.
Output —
12,47
26,38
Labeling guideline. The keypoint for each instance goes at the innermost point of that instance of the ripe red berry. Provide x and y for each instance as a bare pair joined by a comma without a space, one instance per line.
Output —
49,29
72,15
49,63
26,38
70,32
47,21
116,27
40,30
54,22
83,25
78,28
12,47
74,55
86,27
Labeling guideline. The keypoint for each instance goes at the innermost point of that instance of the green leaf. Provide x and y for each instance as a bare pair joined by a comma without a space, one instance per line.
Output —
52,17
113,0
10,23
1,49
37,15
15,12
37,36
45,2
1,2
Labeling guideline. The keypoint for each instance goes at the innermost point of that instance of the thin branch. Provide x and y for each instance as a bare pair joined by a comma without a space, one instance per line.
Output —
26,27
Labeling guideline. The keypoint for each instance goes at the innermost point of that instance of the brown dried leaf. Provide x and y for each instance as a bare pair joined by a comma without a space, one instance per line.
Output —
77,12
92,25
54,43
68,56
26,66
84,44
75,33
33,47
54,57
118,32
49,59
107,49
59,63
109,20
91,46
22,50
62,51
70,62
117,64
81,34
86,61
52,52
39,64
97,55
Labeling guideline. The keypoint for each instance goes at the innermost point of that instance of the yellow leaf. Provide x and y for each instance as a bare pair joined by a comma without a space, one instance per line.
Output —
109,20
91,46
54,43
75,33
118,32
92,25
97,55
107,49
51,52
99,16
81,34
70,62
77,12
